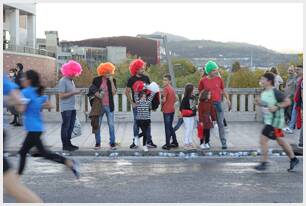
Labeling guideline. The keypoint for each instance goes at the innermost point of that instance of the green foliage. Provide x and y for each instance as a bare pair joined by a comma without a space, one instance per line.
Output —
236,66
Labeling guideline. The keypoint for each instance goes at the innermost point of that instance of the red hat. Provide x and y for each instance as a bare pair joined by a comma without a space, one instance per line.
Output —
138,86
135,66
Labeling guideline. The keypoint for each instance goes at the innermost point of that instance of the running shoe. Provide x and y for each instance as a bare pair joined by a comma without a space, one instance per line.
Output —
69,148
300,146
151,145
113,146
288,130
224,147
261,167
97,146
166,147
202,146
133,146
75,168
145,148
293,163
207,146
174,145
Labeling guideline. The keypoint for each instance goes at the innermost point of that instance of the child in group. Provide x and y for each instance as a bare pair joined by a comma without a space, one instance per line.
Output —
188,111
143,117
36,101
207,115
273,103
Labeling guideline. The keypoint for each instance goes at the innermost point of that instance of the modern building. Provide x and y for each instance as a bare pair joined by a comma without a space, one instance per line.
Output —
19,24
116,54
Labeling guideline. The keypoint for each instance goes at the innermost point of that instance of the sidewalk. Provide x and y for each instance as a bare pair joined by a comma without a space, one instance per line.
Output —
240,137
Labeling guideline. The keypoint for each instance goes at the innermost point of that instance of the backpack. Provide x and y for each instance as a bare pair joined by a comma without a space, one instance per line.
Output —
156,101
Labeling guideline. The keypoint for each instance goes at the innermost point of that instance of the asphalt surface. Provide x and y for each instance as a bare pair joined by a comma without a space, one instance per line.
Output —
164,180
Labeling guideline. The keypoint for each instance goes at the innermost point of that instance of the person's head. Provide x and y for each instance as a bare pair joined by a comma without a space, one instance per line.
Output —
106,69
19,66
291,70
137,67
299,70
267,79
12,72
32,78
188,90
211,69
274,70
205,95
71,69
166,80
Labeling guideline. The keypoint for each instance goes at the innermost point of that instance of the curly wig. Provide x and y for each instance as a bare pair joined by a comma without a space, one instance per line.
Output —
135,66
106,68
71,69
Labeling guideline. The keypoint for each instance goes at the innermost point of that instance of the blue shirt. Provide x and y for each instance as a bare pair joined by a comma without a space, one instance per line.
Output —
8,86
32,117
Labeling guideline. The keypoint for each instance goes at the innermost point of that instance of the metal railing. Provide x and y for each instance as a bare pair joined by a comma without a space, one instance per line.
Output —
27,50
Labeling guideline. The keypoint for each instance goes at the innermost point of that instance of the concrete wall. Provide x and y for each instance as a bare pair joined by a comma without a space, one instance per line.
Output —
46,66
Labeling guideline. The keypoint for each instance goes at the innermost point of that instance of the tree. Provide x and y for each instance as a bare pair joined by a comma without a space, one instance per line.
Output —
236,66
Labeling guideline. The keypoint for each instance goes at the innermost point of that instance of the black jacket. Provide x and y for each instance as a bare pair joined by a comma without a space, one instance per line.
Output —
97,81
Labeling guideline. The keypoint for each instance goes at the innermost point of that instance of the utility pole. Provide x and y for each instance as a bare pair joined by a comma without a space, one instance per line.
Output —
165,42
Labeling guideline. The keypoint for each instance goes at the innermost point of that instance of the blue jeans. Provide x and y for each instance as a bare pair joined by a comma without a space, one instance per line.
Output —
220,122
68,118
136,128
178,124
110,122
169,131
293,117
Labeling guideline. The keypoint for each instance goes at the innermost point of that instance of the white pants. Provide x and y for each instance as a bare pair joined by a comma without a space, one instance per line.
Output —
189,127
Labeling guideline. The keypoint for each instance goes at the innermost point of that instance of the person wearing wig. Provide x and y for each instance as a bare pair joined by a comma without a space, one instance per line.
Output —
137,74
107,87
67,92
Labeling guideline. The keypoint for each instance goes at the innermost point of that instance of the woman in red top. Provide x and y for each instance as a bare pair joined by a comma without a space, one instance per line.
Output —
207,115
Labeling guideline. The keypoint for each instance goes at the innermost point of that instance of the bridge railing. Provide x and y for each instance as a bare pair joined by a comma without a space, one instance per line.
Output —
242,99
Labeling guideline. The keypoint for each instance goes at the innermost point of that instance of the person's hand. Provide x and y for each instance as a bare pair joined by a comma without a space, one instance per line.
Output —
133,104
76,91
273,109
229,104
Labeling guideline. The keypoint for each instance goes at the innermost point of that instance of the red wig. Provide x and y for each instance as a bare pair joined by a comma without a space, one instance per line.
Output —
106,68
136,65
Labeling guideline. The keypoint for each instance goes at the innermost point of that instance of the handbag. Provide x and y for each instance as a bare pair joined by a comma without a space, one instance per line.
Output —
77,130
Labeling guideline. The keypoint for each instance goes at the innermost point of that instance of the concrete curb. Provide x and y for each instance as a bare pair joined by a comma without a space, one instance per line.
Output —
160,152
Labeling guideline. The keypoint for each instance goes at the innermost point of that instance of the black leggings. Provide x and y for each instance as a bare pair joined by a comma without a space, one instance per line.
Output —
206,133
33,139
144,126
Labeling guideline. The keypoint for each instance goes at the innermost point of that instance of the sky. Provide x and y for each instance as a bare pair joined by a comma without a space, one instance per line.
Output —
277,26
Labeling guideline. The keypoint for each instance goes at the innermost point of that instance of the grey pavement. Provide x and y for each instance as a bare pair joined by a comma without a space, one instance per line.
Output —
240,136
164,180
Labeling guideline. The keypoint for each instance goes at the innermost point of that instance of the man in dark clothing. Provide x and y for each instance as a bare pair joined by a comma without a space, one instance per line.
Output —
17,122
137,70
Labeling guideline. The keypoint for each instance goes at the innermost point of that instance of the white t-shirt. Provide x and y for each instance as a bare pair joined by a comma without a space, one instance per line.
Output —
278,81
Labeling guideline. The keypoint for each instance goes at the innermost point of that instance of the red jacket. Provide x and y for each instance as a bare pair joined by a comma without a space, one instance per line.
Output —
207,113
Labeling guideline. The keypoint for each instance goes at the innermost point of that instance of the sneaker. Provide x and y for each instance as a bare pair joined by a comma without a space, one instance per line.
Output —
69,148
18,125
300,146
133,146
75,169
98,146
174,145
113,146
13,122
145,148
151,145
288,130
262,166
202,146
293,163
207,146
224,147
166,147
136,141
73,146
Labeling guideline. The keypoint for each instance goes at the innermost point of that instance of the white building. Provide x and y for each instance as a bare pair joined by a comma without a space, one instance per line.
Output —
19,24
116,54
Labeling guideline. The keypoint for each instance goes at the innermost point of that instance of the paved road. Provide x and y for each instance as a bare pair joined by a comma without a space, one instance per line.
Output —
154,179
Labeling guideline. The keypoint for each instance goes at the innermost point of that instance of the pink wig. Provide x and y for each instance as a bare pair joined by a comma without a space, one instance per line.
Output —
135,66
71,69
106,68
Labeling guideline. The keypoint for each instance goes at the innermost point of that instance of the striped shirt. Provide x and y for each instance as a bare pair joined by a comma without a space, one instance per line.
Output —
143,107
